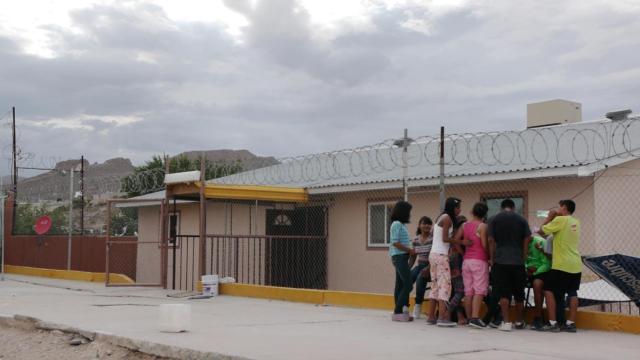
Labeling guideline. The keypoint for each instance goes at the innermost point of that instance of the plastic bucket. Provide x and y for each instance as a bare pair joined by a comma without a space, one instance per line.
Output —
210,285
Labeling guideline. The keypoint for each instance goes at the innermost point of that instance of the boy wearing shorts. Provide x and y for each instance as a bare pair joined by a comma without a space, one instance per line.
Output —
509,237
566,265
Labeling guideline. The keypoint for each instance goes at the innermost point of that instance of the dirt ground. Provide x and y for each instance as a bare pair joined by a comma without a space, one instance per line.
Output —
41,344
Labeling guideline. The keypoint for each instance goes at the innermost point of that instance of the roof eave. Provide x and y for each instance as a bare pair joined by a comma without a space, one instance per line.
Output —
452,180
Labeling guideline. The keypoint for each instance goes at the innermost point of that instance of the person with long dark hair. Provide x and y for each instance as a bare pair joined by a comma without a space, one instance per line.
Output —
400,250
420,273
454,306
475,266
439,263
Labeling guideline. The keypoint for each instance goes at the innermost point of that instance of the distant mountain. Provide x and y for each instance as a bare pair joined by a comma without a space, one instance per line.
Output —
7,180
248,160
100,180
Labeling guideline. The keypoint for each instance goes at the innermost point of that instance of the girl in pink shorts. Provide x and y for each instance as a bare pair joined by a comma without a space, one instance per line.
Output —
475,265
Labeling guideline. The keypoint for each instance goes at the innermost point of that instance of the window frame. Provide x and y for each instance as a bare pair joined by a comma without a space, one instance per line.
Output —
388,206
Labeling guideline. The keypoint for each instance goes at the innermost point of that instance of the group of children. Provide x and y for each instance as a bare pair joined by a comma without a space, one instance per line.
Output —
469,262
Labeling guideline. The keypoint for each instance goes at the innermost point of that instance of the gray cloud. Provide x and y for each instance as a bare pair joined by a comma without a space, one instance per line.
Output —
284,89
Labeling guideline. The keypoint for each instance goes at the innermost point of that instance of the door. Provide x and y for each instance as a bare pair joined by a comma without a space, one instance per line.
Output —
297,254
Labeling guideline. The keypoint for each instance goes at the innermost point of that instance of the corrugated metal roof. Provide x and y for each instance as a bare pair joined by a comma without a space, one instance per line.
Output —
570,147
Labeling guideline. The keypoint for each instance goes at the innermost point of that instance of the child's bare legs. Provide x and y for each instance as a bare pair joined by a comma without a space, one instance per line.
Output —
468,305
431,313
475,304
504,307
462,319
551,305
573,308
443,313
538,296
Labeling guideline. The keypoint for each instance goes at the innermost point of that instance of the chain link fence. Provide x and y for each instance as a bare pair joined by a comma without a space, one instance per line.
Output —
595,164
339,238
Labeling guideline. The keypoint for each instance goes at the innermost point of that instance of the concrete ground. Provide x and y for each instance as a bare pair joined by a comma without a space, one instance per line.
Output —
262,329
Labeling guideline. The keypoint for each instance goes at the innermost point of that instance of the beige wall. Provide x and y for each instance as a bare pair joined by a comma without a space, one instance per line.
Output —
148,254
351,265
354,267
222,219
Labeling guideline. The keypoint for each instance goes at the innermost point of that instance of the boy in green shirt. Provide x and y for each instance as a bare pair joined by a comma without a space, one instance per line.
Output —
538,264
566,266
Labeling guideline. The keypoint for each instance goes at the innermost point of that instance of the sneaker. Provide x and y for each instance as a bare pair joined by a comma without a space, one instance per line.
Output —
537,324
405,310
445,323
551,328
431,321
495,324
401,317
520,325
477,323
505,326
569,328
417,311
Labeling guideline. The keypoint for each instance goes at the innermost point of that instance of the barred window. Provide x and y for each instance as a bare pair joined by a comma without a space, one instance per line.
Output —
379,224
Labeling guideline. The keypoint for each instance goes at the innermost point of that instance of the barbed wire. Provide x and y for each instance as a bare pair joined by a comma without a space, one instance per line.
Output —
576,144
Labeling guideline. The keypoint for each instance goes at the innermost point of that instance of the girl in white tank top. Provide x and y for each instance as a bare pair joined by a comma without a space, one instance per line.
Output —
439,246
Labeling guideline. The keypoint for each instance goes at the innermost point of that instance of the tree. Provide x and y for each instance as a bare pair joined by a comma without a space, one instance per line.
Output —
124,222
149,177
26,215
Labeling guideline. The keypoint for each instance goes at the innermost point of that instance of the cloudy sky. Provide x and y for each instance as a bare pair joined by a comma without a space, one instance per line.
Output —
289,77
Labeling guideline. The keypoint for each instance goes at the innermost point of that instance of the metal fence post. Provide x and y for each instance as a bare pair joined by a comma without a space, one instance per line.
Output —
442,198
70,220
2,227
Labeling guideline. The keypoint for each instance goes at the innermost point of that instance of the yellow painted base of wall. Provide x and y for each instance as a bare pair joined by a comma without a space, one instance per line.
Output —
585,319
68,274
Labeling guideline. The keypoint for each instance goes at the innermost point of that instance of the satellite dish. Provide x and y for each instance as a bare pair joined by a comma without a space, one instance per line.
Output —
42,225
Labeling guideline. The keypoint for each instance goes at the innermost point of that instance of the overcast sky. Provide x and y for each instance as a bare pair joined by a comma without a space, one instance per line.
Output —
290,77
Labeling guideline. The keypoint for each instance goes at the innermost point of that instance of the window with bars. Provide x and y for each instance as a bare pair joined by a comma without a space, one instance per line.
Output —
379,224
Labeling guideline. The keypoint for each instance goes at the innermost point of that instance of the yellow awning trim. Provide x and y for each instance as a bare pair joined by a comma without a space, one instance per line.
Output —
244,192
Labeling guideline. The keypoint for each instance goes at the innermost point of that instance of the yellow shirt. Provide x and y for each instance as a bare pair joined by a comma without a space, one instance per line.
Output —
566,237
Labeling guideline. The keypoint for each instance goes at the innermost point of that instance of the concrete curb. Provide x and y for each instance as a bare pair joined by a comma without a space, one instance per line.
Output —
168,351
98,277
585,319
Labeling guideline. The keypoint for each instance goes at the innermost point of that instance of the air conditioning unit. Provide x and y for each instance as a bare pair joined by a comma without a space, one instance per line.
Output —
553,112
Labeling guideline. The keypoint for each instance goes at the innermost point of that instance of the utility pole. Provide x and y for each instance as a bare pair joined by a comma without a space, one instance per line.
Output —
2,225
15,163
82,195
404,144
70,219
15,173
405,168
442,199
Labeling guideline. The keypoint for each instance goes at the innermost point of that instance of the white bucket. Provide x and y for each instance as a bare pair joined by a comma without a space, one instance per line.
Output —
209,285
174,318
